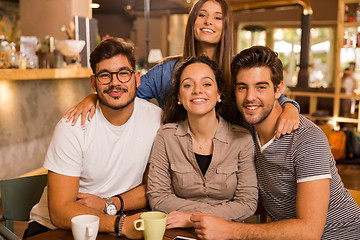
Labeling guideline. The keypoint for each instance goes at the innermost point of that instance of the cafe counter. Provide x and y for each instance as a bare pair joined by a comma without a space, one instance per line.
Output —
32,101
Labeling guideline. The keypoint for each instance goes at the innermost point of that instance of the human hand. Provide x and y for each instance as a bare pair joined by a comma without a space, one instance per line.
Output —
177,219
87,105
128,229
288,121
211,227
91,201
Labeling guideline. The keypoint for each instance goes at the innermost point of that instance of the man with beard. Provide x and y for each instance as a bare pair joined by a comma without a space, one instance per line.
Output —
98,169
298,182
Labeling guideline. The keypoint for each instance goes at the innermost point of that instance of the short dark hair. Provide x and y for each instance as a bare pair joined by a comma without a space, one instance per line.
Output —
112,47
258,56
175,113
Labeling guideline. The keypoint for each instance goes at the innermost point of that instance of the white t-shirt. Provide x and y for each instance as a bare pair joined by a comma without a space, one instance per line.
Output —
108,159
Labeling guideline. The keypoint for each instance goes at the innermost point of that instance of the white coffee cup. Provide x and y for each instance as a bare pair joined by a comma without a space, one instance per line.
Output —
85,227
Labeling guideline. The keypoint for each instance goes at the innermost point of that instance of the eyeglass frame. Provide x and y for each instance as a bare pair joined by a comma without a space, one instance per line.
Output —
112,73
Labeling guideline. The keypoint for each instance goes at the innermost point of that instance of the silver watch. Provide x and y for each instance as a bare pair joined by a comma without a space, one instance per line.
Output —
110,207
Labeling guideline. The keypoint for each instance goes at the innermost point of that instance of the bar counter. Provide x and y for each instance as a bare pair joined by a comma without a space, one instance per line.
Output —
38,74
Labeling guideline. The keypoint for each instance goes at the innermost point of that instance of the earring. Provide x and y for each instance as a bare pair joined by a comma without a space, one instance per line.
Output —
219,101
179,103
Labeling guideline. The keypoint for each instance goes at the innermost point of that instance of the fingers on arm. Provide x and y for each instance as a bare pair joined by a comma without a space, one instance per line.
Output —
92,112
68,113
286,126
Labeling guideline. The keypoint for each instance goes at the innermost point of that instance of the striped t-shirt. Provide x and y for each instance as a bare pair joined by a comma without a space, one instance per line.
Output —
301,156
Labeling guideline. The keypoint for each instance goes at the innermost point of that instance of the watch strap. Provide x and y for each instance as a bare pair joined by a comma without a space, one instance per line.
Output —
121,204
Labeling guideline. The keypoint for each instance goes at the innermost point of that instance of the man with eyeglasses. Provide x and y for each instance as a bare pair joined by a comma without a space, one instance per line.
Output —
98,168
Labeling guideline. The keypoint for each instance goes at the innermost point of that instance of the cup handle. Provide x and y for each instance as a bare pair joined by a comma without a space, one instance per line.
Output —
141,227
90,231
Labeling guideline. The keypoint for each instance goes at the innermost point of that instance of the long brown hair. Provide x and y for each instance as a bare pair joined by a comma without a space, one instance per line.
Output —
174,113
224,48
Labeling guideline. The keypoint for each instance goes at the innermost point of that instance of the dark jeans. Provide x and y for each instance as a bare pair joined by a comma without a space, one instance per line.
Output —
34,228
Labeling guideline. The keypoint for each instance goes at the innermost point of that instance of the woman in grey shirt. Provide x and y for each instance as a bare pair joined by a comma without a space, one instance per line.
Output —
199,161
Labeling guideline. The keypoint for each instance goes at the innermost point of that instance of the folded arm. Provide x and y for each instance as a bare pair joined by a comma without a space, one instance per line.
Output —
62,196
133,199
62,192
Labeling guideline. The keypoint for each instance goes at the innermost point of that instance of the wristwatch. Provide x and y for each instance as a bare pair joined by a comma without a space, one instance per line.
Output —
110,207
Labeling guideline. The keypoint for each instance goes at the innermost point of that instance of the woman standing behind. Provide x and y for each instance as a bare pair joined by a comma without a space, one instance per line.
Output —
208,33
199,161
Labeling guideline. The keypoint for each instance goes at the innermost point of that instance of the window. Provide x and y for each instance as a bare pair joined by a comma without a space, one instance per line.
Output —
287,42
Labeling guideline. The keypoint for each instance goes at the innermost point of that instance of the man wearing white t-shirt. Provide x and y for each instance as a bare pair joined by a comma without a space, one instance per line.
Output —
98,168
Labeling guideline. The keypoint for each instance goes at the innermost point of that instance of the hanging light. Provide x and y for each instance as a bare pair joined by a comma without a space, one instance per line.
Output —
94,5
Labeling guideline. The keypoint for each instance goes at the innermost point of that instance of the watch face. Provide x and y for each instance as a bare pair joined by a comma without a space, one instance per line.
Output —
111,209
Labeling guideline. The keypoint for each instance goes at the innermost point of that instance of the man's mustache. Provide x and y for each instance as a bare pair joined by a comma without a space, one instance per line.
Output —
117,88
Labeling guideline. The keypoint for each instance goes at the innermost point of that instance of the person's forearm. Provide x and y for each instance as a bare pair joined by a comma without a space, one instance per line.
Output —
284,100
133,199
286,229
61,216
234,210
170,202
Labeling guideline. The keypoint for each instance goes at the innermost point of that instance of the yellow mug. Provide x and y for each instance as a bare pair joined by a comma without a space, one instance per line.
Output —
153,225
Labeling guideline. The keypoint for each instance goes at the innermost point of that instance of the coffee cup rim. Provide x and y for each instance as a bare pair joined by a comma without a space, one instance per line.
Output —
93,220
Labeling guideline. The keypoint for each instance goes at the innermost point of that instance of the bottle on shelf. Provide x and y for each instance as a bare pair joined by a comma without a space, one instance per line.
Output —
346,39
346,15
358,13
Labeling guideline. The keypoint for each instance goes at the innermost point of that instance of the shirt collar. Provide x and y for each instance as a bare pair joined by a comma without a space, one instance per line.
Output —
262,148
221,134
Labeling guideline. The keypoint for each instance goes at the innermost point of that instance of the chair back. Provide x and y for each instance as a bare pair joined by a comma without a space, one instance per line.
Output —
6,234
19,195
355,195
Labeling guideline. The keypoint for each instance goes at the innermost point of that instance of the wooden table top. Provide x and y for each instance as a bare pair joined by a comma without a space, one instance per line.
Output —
59,234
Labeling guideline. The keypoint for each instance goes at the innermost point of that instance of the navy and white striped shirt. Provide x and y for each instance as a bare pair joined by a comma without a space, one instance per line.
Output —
301,156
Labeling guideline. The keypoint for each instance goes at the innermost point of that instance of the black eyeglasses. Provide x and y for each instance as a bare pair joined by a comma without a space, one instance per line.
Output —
123,76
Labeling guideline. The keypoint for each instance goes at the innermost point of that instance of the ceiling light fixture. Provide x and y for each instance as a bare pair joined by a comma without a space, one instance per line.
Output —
128,7
94,5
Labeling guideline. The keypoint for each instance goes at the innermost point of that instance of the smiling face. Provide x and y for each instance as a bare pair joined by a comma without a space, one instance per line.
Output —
115,95
255,96
208,26
198,91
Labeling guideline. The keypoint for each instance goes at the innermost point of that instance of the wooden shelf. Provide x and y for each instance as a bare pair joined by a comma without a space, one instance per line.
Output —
38,74
338,95
351,24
